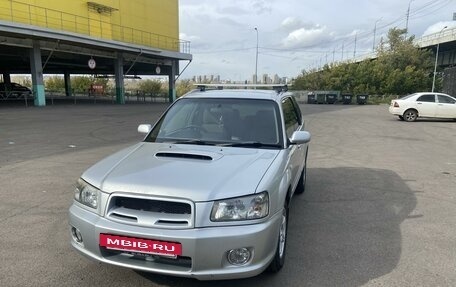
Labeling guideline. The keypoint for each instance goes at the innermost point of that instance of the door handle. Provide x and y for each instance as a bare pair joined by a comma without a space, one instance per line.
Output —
419,103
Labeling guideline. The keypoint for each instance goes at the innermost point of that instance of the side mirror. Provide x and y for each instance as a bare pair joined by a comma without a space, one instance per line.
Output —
144,129
300,137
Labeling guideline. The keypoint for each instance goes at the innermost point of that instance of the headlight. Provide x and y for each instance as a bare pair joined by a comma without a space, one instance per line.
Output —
86,194
241,208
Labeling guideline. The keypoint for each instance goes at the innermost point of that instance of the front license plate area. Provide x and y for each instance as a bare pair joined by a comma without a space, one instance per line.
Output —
141,245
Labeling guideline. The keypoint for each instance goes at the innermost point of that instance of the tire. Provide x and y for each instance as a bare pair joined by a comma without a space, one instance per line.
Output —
410,115
279,257
401,118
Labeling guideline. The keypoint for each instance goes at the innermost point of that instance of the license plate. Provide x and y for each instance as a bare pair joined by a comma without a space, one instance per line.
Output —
148,246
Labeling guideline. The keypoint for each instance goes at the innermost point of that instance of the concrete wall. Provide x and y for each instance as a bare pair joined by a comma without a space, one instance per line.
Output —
449,81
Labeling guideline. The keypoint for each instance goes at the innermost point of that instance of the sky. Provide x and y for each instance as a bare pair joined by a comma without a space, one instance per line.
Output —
295,35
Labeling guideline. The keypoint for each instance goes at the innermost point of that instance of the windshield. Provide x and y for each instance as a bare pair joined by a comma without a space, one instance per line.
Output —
227,122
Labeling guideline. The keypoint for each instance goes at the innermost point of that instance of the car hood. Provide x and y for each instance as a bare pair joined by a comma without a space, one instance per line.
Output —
198,173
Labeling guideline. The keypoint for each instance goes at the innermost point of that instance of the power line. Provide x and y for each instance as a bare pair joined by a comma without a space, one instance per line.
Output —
347,40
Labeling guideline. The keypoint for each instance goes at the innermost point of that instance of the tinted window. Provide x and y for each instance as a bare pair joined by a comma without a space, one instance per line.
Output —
290,115
445,99
426,98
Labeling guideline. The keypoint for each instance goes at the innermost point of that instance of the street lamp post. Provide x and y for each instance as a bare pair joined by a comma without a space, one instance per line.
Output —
256,61
436,60
408,15
375,31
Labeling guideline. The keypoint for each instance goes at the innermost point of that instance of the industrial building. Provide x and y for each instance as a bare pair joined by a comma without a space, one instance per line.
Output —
119,38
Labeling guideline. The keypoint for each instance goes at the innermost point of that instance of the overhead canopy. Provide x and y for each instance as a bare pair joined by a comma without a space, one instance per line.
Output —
70,52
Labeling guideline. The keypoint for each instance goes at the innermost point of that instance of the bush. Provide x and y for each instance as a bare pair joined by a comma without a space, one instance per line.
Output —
152,87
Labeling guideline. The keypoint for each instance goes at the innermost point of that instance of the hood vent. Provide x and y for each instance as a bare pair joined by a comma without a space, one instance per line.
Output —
183,155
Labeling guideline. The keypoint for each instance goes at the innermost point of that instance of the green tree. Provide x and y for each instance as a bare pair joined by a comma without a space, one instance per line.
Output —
81,84
54,83
400,68
152,87
183,87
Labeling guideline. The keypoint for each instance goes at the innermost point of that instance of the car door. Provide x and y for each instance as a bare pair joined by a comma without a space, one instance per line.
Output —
446,107
293,122
426,105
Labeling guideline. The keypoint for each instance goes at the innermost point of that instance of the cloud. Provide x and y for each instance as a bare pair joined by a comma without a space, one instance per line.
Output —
186,37
260,7
232,10
305,37
291,23
437,27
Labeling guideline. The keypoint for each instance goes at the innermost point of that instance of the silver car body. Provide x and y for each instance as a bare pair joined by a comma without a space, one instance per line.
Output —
195,176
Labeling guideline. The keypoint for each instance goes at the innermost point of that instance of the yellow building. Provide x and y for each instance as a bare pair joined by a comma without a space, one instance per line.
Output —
152,23
139,37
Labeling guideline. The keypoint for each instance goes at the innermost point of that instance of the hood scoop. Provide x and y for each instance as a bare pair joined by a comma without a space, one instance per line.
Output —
183,155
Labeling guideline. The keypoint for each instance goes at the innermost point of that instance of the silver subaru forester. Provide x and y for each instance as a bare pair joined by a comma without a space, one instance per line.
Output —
205,195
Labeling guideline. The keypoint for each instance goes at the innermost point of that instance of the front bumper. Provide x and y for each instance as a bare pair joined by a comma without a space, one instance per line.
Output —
203,249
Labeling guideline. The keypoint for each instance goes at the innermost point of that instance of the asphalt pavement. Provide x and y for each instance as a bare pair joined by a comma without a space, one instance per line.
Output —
379,209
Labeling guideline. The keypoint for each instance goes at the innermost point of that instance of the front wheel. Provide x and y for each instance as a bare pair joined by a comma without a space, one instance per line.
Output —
279,257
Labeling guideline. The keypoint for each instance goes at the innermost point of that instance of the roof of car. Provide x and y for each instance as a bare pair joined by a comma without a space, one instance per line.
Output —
427,93
236,93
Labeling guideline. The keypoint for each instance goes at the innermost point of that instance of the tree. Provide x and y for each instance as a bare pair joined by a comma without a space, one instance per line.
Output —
183,87
81,84
400,68
152,87
54,83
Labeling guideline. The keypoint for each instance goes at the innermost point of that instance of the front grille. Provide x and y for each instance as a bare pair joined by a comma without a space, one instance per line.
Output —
153,205
150,212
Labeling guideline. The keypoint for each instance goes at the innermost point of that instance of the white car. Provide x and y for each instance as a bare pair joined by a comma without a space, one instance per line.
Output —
424,105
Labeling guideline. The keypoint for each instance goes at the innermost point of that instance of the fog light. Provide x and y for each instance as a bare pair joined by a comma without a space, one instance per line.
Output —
238,256
76,235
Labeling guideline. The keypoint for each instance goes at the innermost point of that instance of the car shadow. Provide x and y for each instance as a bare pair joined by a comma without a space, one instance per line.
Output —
343,231
427,120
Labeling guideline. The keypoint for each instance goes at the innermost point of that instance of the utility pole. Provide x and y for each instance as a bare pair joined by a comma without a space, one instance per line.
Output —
375,31
354,51
256,61
408,15
342,51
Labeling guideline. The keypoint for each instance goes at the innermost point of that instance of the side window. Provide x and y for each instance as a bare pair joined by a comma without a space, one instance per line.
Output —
445,99
426,98
291,118
298,110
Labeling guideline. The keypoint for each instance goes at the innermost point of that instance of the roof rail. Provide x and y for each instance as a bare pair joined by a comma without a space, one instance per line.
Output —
279,88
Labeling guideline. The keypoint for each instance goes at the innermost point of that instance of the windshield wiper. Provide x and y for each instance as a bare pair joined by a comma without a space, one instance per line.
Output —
253,144
191,141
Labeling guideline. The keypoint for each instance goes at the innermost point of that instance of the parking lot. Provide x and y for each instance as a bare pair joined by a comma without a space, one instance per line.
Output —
379,209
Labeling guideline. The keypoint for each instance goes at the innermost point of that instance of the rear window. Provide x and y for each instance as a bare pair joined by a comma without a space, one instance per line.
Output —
445,99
